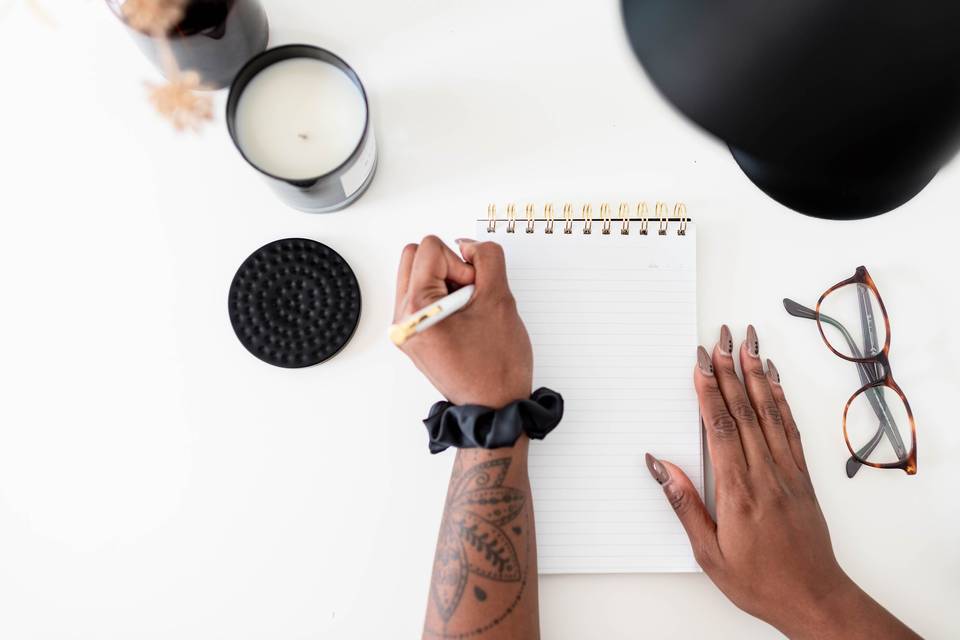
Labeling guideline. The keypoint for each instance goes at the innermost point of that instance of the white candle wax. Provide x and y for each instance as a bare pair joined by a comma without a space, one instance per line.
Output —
300,118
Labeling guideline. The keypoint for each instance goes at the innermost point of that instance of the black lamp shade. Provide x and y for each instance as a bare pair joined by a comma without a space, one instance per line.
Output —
835,109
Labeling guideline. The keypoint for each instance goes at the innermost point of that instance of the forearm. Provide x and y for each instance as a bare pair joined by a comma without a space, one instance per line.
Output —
484,582
849,614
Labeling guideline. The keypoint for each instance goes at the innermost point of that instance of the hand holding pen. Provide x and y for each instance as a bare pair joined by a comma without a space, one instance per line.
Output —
480,354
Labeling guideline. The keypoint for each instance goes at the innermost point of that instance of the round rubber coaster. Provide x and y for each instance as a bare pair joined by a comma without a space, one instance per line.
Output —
294,303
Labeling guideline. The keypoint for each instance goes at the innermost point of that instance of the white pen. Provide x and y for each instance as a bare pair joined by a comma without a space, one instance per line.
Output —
430,315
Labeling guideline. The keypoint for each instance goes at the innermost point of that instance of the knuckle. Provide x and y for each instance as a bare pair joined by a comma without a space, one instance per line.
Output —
743,413
710,393
793,431
724,368
431,241
769,412
679,500
757,374
724,426
491,250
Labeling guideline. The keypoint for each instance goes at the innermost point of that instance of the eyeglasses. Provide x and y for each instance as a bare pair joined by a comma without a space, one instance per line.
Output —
878,425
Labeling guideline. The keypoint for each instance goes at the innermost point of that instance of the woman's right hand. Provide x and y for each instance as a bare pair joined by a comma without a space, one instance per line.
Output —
481,354
769,550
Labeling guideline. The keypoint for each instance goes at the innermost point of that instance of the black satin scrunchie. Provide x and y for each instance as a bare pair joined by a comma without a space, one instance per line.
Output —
472,426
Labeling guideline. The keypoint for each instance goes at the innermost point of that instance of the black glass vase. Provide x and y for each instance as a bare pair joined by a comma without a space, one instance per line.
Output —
215,38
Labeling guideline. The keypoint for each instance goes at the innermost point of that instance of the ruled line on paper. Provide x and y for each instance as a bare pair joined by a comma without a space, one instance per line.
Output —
613,326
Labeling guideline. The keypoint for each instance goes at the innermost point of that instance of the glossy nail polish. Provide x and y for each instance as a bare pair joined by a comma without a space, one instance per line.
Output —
772,374
703,361
657,470
753,343
726,341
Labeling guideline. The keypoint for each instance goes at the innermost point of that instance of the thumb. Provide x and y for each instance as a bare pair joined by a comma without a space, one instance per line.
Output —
686,503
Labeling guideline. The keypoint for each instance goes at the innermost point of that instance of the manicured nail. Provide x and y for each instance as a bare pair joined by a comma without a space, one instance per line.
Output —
657,470
703,361
462,240
753,344
726,341
772,374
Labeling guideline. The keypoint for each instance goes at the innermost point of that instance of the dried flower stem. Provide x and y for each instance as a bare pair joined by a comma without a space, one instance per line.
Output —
168,61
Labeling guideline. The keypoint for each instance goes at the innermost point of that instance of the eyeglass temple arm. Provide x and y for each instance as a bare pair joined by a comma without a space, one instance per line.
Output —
866,373
871,345
868,326
798,310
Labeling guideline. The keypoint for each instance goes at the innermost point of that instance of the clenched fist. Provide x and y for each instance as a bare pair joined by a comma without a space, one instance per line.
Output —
481,354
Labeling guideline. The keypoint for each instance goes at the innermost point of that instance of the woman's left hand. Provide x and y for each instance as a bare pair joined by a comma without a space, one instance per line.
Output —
769,550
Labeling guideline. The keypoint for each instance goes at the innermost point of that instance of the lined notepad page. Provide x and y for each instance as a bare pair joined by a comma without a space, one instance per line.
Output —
612,319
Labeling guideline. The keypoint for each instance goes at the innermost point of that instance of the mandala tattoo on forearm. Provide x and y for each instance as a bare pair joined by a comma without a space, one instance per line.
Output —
477,538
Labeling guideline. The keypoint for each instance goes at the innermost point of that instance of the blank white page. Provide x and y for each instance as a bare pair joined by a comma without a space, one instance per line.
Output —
613,323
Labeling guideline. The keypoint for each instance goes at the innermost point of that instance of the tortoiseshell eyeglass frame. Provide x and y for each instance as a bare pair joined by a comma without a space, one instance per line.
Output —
881,365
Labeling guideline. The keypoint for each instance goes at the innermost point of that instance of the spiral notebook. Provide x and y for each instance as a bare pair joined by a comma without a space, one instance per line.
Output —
610,305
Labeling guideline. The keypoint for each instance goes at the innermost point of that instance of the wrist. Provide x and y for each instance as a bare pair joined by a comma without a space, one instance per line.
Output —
495,398
832,614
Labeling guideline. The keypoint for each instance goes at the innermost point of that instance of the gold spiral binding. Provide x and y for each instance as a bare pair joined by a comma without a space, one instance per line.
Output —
680,211
662,213
511,218
528,211
643,214
624,219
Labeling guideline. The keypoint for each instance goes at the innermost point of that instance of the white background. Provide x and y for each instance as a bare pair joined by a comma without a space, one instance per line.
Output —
157,481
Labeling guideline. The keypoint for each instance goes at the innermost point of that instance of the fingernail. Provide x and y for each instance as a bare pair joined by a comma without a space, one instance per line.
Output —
772,374
462,240
657,470
726,341
703,361
753,344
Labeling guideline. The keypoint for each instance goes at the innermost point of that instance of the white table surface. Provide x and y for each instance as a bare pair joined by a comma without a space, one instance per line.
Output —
156,481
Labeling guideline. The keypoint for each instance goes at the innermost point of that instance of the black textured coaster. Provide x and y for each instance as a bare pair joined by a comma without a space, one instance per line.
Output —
294,303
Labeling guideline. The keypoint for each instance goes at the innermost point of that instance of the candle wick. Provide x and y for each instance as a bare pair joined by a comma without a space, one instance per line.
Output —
303,136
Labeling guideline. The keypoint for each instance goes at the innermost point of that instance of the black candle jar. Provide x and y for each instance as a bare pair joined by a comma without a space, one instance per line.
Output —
213,37
336,188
